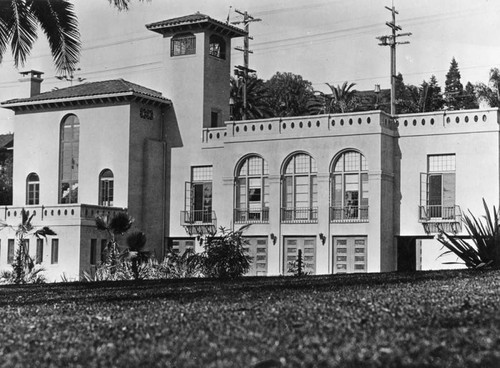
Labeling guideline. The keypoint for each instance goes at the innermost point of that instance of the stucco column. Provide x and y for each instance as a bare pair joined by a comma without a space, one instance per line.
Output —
274,250
323,255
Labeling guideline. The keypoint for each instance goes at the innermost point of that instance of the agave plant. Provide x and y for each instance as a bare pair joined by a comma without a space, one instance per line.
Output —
484,251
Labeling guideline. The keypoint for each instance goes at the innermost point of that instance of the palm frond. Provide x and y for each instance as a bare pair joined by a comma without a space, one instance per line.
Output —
22,25
5,33
136,241
120,223
60,24
101,223
121,4
44,232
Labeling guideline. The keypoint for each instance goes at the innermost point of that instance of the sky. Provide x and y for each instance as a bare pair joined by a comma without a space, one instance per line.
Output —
324,41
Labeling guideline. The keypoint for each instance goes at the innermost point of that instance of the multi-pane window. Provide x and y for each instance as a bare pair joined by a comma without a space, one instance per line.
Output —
217,47
256,249
198,196
54,255
183,44
349,188
252,190
32,189
39,251
10,251
349,254
69,159
106,190
437,187
300,189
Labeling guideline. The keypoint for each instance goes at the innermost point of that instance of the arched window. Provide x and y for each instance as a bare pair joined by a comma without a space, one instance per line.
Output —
217,47
252,191
183,44
300,189
68,160
32,189
349,185
106,188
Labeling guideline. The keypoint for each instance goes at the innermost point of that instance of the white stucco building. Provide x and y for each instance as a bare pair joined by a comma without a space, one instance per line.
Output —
356,192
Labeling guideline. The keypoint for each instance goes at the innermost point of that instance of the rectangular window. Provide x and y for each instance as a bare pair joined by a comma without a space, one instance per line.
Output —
214,119
93,252
183,45
33,193
198,196
39,251
349,254
10,251
256,248
54,256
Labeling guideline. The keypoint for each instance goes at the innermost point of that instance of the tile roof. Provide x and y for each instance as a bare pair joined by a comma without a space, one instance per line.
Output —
6,140
180,23
109,87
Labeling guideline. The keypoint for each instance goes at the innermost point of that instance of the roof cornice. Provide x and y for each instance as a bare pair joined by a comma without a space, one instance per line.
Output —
85,101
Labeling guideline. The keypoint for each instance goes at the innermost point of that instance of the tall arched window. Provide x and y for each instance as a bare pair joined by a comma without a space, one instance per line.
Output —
68,159
300,189
252,191
32,189
217,47
106,190
349,185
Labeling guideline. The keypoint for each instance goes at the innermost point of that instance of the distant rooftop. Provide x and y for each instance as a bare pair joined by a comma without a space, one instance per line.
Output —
109,88
192,22
6,141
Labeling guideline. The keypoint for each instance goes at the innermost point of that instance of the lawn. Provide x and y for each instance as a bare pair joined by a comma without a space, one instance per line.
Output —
426,319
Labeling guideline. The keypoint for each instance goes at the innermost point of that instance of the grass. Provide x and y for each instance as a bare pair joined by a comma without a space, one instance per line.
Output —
427,319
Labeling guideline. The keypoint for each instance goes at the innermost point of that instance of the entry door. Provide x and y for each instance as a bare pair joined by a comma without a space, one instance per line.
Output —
201,202
308,247
257,250
349,254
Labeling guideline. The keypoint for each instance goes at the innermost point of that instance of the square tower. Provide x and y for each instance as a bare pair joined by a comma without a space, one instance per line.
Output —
197,67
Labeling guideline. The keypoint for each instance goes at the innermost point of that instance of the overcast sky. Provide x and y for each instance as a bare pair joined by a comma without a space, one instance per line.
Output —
322,40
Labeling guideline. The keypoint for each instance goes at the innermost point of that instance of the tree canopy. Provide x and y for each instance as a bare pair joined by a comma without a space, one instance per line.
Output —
288,94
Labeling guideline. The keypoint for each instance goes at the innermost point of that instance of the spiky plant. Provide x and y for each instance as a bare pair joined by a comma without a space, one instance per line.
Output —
117,225
484,251
136,243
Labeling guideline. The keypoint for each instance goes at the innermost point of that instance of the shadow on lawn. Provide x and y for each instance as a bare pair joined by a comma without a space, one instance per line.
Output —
186,290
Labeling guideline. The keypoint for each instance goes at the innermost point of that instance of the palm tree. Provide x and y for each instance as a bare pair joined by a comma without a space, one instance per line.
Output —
114,226
256,98
23,264
19,20
342,99
136,243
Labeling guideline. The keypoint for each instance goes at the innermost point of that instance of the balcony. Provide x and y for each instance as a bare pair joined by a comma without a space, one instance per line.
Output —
349,214
59,213
251,216
199,222
436,218
299,215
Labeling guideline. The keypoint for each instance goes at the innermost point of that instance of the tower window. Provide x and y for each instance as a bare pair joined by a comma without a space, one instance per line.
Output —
183,44
106,190
217,47
69,160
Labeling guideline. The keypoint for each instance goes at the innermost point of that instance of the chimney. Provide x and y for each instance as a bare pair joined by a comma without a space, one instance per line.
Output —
34,78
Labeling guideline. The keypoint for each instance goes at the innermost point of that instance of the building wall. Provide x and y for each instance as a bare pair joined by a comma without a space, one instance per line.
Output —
104,137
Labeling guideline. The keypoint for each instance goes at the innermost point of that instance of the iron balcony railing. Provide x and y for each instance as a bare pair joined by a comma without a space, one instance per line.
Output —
251,216
349,214
299,215
198,217
439,213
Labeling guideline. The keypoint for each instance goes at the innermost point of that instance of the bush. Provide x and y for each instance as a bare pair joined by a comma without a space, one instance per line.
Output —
224,257
484,252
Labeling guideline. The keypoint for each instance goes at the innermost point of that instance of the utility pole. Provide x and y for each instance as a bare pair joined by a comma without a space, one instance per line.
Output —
391,41
242,71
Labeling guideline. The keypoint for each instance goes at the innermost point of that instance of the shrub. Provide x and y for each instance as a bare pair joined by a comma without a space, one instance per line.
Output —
224,257
484,251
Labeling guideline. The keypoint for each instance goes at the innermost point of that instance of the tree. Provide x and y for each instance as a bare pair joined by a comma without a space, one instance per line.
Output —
342,99
23,265
257,107
119,224
288,94
19,22
6,166
490,93
407,97
453,89
431,96
469,100
136,243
